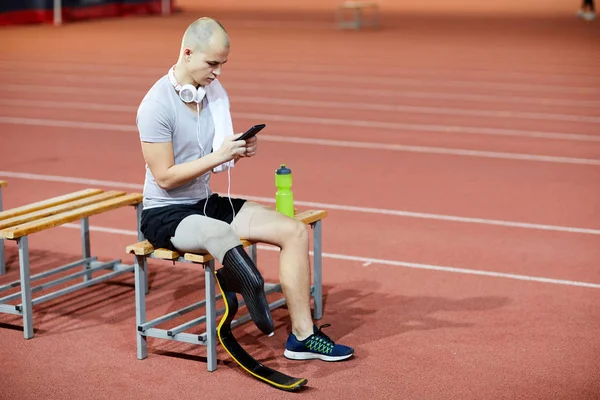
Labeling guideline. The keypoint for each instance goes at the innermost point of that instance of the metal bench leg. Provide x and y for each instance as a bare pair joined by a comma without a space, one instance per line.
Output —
26,306
211,316
85,246
318,268
138,215
140,268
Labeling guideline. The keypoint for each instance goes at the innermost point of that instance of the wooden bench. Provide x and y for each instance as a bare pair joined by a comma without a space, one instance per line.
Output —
358,10
144,250
2,260
18,223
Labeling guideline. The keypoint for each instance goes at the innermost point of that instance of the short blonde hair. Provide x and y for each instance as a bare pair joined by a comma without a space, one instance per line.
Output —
200,32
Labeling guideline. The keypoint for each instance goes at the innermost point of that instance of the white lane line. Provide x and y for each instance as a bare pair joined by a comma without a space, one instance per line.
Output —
366,261
326,206
71,179
294,76
421,82
432,150
136,70
473,97
317,142
143,68
504,114
456,129
461,270
490,98
421,71
67,124
337,105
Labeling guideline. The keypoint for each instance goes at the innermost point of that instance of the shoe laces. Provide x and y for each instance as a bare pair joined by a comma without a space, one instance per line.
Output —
322,335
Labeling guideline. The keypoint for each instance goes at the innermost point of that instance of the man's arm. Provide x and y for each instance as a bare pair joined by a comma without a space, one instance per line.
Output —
156,133
168,175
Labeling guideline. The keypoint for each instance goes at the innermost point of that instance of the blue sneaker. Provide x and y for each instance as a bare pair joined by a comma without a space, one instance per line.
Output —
316,346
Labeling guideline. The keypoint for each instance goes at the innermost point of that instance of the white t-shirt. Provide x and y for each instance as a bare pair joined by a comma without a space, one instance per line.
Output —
163,117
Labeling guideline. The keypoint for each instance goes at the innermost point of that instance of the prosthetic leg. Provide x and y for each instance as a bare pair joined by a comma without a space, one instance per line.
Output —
233,348
240,275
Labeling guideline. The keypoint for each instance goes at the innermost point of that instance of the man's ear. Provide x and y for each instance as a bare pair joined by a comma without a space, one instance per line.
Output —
187,52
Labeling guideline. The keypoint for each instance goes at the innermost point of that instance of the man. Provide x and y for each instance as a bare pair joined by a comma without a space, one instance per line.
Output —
186,133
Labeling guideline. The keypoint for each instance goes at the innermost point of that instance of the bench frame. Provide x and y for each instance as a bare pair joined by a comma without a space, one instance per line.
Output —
357,8
209,337
89,263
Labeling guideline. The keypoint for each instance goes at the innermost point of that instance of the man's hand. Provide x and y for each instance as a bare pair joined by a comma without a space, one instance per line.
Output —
231,148
251,147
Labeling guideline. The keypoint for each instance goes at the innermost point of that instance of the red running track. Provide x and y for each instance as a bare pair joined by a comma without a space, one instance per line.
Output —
459,159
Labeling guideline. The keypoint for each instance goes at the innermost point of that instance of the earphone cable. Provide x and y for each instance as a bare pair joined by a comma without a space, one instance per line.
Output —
229,190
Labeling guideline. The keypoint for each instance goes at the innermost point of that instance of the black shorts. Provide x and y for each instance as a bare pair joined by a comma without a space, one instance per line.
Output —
158,224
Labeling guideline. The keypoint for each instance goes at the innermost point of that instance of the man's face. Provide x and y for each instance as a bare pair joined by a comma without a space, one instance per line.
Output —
205,64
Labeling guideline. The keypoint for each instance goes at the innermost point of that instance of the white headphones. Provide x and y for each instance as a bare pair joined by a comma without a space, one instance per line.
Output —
188,93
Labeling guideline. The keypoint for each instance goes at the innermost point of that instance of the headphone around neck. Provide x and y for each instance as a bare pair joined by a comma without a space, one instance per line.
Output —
187,93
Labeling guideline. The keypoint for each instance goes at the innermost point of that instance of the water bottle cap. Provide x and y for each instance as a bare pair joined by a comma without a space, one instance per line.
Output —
283,170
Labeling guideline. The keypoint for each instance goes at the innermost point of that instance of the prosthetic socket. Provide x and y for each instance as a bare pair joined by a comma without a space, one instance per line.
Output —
240,275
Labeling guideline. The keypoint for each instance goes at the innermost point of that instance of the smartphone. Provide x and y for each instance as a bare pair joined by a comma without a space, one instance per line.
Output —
251,132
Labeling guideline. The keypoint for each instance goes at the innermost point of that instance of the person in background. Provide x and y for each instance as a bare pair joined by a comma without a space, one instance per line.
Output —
587,10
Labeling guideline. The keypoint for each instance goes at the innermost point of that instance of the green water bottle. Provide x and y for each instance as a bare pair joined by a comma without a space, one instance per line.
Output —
284,198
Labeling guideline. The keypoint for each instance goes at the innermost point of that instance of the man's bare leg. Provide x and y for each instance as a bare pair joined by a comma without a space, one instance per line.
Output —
260,223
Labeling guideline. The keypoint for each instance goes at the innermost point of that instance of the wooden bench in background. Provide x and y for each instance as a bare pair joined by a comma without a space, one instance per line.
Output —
144,250
20,222
364,14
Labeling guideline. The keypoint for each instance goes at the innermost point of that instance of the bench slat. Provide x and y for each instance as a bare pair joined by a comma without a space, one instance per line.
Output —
28,228
140,249
202,258
145,248
311,216
45,212
13,212
3,183
166,254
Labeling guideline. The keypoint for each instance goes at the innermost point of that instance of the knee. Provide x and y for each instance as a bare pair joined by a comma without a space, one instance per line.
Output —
295,232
